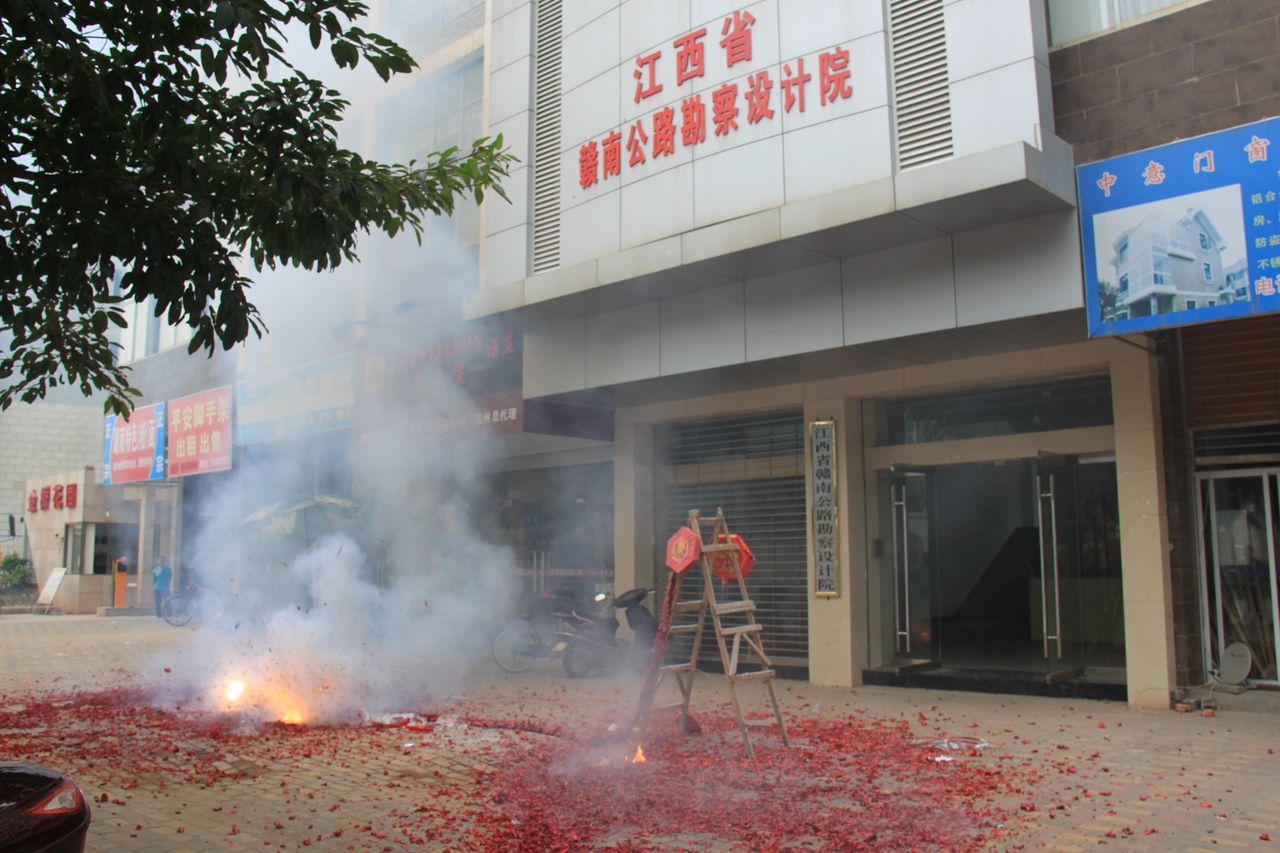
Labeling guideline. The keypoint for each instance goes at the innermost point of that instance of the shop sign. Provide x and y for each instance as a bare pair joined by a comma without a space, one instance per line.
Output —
1183,233
311,398
824,530
134,447
200,432
473,374
759,96
57,496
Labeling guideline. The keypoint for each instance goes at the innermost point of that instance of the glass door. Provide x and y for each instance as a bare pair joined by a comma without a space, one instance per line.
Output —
1059,582
914,625
1241,523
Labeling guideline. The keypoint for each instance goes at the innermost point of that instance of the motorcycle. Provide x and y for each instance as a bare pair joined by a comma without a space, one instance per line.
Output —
591,641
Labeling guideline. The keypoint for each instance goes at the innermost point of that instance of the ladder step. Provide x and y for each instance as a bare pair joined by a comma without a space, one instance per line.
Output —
736,606
712,549
667,707
690,606
762,673
682,629
677,667
742,629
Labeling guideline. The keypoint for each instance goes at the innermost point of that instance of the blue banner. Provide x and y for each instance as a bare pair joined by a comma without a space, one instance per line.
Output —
133,448
1183,233
307,399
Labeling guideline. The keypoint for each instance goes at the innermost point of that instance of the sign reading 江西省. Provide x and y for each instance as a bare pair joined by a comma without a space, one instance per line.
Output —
1183,233
200,432
822,460
134,448
725,80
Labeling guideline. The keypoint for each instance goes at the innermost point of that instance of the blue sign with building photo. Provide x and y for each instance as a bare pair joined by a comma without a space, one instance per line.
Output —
1183,233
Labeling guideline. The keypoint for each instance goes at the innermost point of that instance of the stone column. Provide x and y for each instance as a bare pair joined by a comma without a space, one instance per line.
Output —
1144,538
633,533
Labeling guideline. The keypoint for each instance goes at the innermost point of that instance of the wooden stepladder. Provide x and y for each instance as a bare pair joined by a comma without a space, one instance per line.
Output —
738,641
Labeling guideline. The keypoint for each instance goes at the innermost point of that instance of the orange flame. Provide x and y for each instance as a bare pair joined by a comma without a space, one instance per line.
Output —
638,758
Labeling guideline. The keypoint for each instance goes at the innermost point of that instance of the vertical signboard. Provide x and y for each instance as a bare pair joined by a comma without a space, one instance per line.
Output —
824,522
133,448
200,432
1183,233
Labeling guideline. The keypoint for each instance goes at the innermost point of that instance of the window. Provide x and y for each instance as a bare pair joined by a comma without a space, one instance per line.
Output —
1161,268
1064,404
1242,293
1204,240
146,334
1122,314
1213,302
432,113
1208,272
1070,20
1124,283
1191,305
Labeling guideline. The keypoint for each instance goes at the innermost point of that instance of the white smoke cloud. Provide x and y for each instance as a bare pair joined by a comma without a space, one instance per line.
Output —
381,608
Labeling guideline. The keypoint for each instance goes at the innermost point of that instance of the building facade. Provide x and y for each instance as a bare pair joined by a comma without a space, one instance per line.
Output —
819,263
742,224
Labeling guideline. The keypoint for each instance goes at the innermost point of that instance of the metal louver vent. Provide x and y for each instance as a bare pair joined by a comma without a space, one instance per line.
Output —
922,99
546,136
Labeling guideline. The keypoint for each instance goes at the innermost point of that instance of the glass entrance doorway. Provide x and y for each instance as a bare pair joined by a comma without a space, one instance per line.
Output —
1240,526
1006,567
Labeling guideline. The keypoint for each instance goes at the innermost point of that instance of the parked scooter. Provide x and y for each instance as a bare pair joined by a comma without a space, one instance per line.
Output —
592,644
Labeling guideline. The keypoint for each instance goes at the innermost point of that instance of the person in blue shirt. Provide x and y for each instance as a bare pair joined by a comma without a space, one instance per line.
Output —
161,575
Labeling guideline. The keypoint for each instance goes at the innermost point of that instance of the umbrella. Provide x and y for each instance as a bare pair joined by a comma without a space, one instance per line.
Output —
284,518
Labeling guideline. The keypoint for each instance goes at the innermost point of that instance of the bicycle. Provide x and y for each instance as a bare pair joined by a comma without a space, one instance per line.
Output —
539,633
178,609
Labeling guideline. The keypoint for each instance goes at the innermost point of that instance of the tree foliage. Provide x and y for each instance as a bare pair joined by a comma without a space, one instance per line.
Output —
160,150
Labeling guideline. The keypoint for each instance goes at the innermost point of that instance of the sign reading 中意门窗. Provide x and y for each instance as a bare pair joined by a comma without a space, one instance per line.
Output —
1183,233
824,530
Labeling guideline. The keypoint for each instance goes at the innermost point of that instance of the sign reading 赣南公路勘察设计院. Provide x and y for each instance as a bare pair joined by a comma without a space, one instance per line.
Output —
1183,233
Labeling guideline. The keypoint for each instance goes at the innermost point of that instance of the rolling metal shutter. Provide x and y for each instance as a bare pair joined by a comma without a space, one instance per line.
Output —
752,467
1232,373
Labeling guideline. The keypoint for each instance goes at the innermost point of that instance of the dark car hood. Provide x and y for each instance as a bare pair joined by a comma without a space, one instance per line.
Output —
24,783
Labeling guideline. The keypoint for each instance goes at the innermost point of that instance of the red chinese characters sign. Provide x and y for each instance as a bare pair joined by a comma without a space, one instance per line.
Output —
134,447
200,432
722,110
57,496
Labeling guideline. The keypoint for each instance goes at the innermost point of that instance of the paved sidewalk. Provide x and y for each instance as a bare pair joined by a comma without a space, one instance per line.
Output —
1111,776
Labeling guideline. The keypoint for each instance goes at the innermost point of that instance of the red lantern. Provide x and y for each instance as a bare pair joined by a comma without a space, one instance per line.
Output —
683,550
722,565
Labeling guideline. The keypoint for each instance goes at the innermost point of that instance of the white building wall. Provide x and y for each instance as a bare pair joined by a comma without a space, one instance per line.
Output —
44,439
997,74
